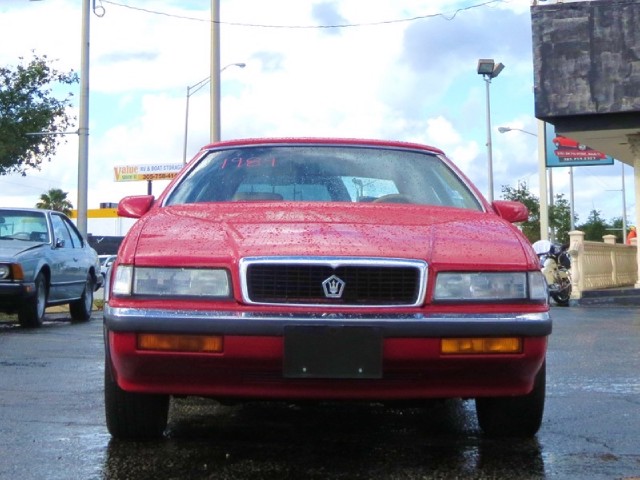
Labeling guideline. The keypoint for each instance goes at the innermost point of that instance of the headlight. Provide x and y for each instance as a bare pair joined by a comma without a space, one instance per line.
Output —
122,280
490,286
11,271
187,282
5,271
537,286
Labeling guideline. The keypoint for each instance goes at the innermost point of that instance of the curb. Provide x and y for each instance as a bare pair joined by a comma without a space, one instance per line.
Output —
609,297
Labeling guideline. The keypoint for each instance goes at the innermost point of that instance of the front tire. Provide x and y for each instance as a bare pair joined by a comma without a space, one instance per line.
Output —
563,296
31,314
130,415
81,309
519,416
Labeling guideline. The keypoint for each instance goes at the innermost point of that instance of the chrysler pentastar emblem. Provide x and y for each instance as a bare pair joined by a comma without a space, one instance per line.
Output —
333,287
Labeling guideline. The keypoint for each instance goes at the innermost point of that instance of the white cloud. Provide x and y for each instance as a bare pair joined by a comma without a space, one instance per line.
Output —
412,80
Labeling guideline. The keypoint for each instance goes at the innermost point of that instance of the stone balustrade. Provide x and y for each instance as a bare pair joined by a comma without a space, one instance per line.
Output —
601,265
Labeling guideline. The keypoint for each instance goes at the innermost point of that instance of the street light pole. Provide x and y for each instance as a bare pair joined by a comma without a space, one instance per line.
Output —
545,232
195,88
83,125
489,69
573,227
215,71
487,80
190,91
624,206
83,117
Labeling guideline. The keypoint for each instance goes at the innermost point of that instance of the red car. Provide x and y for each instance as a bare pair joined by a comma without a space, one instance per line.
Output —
566,142
568,149
325,270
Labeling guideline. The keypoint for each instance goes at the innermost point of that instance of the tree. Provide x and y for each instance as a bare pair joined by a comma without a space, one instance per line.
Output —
616,229
27,106
530,228
559,213
595,227
560,218
55,199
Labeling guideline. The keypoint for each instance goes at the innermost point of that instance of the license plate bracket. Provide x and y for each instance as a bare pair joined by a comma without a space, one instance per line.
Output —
332,352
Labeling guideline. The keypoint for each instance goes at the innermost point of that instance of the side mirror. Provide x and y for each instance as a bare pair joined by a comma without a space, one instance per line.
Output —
511,211
59,242
135,206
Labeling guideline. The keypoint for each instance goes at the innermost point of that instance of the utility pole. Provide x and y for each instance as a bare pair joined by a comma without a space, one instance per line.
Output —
83,118
215,71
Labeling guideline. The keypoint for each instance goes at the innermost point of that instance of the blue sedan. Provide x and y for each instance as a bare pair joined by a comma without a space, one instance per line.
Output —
45,261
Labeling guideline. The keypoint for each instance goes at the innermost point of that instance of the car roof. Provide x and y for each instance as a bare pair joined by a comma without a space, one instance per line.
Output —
24,209
323,141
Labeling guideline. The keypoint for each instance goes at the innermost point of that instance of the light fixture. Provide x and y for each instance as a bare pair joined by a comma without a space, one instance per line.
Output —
488,68
485,66
511,129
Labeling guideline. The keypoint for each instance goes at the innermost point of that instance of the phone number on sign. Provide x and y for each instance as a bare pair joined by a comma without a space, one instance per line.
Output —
158,176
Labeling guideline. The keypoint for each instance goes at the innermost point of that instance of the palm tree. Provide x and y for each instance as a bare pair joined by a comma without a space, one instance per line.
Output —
55,199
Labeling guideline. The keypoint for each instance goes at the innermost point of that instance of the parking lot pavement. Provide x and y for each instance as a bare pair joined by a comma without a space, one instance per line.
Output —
52,419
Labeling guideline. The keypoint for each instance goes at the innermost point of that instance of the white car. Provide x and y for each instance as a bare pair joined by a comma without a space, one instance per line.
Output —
105,263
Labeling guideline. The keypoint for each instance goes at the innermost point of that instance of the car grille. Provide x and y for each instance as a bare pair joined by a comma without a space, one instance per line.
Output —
334,281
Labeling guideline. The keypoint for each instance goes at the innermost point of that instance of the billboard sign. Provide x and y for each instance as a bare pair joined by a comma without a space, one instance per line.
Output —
565,152
137,173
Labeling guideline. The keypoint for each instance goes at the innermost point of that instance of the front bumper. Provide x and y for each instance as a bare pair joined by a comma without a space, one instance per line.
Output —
12,295
252,363
268,324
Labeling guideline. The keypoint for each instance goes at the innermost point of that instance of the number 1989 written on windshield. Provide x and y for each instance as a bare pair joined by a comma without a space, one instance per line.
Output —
250,162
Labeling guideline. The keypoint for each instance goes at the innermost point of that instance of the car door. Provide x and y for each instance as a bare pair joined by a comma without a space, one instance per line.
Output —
68,275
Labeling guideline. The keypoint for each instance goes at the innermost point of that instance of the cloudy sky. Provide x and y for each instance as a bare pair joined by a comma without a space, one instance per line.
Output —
391,69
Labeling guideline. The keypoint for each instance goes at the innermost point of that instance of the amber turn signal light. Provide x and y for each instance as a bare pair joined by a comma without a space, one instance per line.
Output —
469,346
180,343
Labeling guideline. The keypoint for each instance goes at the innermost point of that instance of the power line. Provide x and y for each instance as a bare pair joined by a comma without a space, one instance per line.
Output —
446,16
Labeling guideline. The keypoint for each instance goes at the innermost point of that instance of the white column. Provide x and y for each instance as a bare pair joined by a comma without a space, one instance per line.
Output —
542,178
634,143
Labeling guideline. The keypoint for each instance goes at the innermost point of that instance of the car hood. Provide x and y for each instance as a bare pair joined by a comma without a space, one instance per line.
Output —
219,234
12,248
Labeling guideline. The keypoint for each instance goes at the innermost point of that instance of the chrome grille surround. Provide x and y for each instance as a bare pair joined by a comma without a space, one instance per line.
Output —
320,268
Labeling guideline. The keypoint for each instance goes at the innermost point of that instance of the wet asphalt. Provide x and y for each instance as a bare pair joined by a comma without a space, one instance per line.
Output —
52,421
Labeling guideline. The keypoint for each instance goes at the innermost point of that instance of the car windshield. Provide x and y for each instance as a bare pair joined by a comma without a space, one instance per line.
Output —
22,225
325,174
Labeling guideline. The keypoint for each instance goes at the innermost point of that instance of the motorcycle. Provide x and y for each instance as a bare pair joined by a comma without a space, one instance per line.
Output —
555,264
